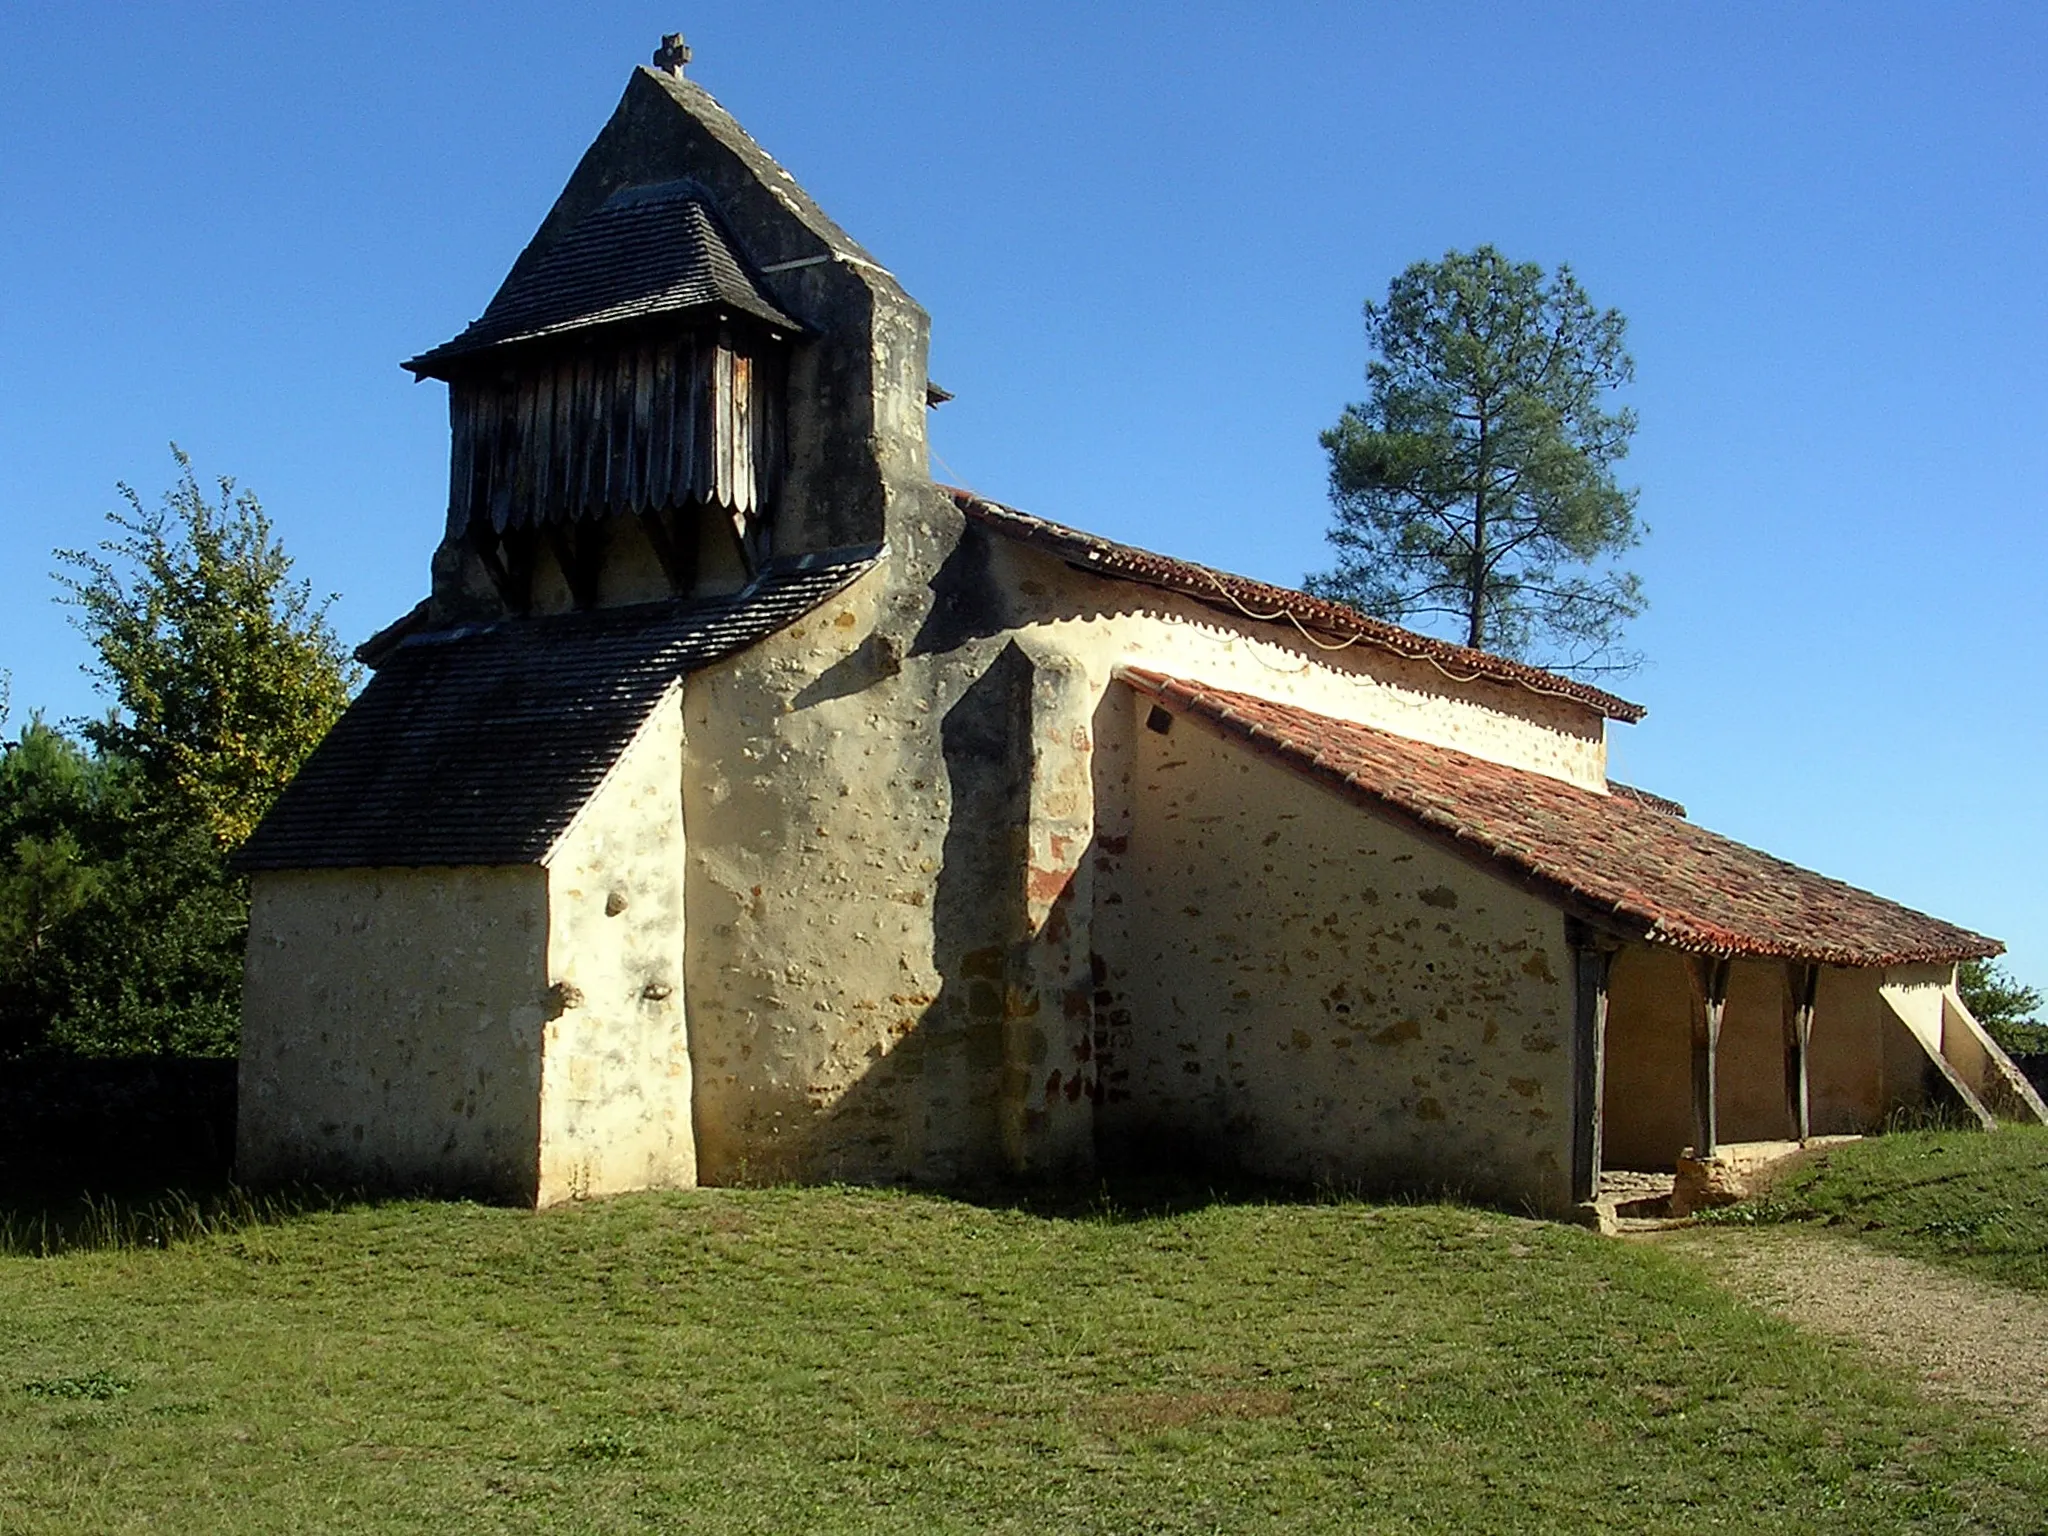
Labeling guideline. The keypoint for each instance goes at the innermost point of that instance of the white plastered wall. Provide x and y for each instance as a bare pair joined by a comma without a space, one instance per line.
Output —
1100,626
615,1079
391,1026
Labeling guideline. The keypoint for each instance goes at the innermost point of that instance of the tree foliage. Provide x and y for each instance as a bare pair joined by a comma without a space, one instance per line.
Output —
121,927
2008,1010
225,672
1474,487
54,862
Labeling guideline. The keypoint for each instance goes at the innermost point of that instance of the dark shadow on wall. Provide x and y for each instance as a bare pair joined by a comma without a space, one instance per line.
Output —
968,603
933,1102
874,659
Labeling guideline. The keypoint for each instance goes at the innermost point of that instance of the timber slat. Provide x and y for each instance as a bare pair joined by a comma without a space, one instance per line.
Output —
461,462
658,426
742,500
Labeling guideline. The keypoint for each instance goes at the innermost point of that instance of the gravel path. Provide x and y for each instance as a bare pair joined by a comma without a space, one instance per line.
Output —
1959,1337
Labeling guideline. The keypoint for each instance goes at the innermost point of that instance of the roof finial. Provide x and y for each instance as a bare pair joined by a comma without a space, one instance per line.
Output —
672,55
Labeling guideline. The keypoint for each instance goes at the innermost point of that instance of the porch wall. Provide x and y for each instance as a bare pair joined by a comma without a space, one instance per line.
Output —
1648,1104
1751,1067
1855,1071
1861,1064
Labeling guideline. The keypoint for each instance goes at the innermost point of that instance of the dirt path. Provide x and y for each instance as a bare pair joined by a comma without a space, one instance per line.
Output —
1959,1337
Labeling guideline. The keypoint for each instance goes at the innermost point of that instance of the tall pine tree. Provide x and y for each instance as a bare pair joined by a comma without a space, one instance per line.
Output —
1474,487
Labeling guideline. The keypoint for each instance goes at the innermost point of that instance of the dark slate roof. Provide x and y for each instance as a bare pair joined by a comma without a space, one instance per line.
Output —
1268,604
477,745
646,251
1628,865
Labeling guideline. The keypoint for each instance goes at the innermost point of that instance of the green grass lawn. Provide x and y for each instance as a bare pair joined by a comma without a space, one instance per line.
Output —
845,1360
1971,1200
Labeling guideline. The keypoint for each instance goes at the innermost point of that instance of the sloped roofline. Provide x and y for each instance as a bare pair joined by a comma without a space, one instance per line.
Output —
1266,603
562,293
1627,867
477,744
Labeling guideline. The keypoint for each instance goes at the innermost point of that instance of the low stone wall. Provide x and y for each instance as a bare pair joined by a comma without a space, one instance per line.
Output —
69,1125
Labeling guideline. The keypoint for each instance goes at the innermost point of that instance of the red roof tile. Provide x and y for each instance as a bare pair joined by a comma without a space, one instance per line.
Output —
1625,864
1644,797
1266,603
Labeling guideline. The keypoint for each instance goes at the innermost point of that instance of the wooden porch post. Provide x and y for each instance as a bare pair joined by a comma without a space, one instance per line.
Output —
1709,1002
1592,958
1802,985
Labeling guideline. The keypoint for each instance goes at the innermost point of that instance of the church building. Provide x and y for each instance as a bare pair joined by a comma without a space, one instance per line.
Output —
743,805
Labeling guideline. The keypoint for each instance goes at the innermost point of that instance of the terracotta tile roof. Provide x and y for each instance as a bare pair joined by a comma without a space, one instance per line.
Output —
1625,865
477,745
1260,600
1655,802
655,250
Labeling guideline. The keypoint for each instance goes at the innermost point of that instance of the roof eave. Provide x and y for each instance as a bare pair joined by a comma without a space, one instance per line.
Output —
1620,919
1311,615
456,356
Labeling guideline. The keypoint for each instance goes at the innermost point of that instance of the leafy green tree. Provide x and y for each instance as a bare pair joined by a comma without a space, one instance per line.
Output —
54,863
120,930
121,927
225,671
1474,487
2008,1010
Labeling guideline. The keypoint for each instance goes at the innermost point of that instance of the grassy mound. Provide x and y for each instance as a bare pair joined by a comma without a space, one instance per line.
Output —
848,1360
1971,1200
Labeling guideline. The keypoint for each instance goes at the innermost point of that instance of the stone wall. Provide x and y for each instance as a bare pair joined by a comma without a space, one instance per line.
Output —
615,1065
392,1029
1296,988
893,808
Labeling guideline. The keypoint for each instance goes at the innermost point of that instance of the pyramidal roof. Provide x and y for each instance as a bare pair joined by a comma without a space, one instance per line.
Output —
645,251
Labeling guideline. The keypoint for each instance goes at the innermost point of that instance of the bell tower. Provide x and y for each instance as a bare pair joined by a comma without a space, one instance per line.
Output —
689,372
634,374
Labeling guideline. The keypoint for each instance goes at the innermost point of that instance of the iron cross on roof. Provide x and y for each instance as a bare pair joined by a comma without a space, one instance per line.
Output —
673,54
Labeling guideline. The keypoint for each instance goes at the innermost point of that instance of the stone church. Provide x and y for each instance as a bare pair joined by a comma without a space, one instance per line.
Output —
743,805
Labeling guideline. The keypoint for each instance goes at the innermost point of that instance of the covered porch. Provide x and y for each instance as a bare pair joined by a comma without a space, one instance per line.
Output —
1712,994
1692,1052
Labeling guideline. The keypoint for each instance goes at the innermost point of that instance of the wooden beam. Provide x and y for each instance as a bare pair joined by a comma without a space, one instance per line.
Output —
579,551
1592,960
1709,975
744,540
507,559
676,551
1802,986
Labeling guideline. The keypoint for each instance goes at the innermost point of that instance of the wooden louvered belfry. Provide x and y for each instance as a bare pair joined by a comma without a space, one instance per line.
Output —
632,369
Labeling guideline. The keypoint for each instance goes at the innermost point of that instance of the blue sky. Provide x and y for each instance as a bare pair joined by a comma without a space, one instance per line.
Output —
1144,233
